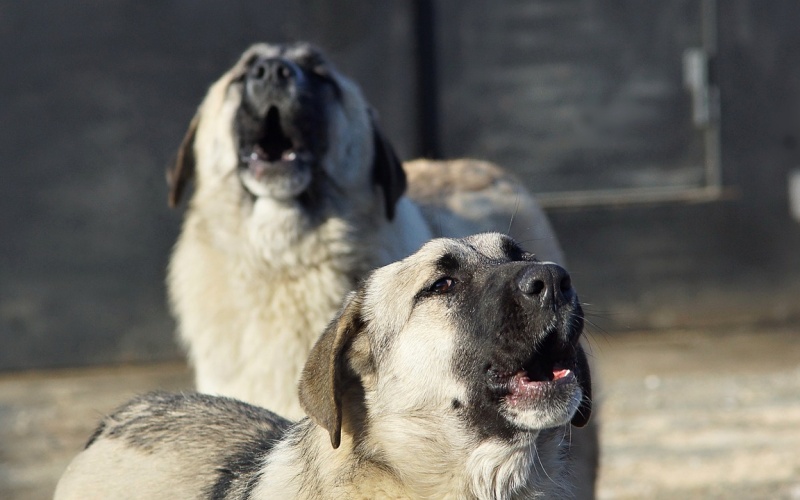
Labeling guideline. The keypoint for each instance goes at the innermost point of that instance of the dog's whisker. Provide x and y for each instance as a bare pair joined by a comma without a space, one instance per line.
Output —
566,436
587,320
541,464
593,343
513,214
595,331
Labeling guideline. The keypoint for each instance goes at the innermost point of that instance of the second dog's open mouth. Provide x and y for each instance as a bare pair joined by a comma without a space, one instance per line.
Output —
273,144
274,151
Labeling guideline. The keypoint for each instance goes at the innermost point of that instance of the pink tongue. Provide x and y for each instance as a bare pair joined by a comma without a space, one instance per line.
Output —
557,374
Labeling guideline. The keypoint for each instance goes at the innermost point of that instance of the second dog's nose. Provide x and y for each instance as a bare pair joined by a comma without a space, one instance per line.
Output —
274,71
548,282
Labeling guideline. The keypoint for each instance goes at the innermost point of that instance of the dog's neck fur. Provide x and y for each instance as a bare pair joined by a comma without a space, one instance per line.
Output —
267,263
361,470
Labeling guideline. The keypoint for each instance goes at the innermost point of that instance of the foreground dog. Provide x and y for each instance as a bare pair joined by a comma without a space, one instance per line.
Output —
451,374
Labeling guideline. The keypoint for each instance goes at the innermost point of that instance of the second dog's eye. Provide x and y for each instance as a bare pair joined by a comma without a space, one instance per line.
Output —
443,285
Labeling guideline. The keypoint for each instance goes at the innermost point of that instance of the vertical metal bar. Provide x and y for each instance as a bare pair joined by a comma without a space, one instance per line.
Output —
427,85
712,133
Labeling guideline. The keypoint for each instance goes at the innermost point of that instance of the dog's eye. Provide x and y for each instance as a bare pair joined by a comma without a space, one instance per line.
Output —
443,285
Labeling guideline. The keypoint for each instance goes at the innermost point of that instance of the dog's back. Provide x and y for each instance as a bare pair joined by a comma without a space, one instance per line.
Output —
202,446
467,196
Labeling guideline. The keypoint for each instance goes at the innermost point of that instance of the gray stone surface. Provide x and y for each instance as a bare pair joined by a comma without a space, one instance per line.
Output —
685,414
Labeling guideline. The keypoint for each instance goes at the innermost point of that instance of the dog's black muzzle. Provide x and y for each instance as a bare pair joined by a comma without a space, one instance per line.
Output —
271,81
535,319
281,126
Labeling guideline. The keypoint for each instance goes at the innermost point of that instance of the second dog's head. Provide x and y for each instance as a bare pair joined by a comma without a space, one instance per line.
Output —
283,125
474,334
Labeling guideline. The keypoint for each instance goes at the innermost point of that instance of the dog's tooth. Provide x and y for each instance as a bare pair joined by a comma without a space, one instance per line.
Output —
557,374
290,156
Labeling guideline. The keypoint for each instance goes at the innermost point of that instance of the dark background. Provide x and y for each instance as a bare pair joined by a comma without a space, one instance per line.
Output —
666,223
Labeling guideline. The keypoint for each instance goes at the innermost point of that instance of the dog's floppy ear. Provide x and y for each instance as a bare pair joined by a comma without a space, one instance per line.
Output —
183,170
584,411
322,381
387,169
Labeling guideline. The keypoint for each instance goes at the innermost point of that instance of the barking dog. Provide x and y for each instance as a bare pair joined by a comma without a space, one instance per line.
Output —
453,373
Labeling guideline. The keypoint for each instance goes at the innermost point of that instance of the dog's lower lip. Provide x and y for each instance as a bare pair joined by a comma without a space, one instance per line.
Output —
559,376
521,389
531,380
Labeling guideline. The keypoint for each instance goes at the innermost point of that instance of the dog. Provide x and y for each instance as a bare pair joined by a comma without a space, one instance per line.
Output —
297,196
454,373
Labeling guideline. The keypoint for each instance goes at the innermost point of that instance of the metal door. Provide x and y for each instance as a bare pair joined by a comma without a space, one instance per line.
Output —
590,101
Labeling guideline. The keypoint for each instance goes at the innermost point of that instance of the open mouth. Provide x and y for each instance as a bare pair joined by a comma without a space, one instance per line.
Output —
274,161
274,150
539,378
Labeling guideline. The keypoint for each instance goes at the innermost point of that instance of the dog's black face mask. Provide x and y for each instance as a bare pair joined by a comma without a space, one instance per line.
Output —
282,122
289,128
519,352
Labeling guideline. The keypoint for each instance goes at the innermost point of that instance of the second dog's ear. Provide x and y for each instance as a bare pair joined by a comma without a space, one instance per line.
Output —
387,170
584,411
324,376
182,171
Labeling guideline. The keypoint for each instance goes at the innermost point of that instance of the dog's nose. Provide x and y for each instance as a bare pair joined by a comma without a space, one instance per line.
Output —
274,71
550,283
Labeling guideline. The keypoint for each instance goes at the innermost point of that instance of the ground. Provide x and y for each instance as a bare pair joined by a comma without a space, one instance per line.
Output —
685,414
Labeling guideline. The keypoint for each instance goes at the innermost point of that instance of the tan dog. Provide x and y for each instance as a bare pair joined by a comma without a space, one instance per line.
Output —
451,374
298,195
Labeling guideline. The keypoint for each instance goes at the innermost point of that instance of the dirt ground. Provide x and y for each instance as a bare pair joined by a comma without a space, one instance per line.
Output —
685,414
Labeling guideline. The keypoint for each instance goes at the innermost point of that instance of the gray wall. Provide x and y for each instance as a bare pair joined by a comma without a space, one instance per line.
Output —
573,94
721,263
570,94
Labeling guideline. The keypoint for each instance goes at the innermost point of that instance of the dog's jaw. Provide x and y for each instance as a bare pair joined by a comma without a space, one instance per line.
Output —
541,394
274,158
542,405
282,180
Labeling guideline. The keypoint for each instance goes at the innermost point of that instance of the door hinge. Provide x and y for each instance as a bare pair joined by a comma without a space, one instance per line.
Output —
697,79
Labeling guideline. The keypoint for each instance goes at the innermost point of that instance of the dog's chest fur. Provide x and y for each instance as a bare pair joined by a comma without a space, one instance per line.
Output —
252,297
302,465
